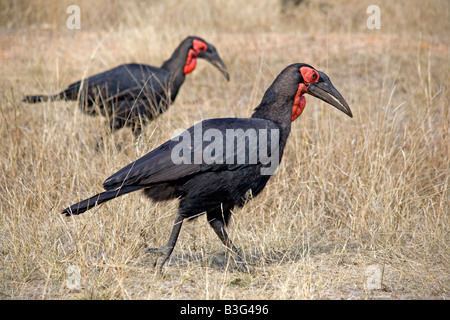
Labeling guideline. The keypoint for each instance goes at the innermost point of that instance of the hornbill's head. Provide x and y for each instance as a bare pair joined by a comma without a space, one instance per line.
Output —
317,84
199,48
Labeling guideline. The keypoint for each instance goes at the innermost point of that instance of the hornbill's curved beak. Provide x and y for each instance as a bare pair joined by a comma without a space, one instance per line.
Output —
324,90
213,57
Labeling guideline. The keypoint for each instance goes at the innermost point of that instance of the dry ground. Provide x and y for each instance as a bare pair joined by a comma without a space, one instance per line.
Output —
350,193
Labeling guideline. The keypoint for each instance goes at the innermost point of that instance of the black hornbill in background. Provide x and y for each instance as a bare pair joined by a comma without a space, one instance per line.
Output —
215,188
131,94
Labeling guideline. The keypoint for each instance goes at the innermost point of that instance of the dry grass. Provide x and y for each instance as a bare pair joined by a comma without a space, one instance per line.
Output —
350,193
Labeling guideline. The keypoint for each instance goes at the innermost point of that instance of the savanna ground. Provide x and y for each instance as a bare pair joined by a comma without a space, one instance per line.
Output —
350,196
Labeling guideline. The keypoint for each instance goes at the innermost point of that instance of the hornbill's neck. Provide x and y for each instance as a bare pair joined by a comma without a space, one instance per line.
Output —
276,106
175,64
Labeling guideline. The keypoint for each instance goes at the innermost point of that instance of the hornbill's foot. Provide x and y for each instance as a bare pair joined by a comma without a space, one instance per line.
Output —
242,267
219,229
162,254
166,251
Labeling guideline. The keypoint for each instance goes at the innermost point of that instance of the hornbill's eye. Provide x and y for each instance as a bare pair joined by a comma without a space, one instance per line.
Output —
199,46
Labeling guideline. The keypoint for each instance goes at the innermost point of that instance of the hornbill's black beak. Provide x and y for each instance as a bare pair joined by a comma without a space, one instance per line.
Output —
324,90
213,57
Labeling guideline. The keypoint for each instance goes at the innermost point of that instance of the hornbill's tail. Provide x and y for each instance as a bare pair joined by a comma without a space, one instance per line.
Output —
87,204
40,98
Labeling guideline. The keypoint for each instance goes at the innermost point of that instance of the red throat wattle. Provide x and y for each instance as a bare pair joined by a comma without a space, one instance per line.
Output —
309,76
191,61
299,102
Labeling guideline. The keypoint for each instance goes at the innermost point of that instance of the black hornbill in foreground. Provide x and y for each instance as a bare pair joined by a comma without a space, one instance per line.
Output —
216,187
131,94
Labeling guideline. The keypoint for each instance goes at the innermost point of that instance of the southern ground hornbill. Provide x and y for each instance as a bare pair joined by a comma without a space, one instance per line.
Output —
131,94
224,162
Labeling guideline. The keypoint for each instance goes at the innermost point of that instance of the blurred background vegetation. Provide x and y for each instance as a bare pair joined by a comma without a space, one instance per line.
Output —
406,16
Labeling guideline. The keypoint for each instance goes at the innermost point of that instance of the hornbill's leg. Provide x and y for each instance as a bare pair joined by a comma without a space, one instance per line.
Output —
137,130
219,229
166,251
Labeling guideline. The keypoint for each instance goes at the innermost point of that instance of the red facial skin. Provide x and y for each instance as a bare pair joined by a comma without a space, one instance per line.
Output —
309,76
191,61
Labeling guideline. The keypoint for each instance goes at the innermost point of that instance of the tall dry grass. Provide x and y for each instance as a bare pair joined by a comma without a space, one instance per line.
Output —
349,194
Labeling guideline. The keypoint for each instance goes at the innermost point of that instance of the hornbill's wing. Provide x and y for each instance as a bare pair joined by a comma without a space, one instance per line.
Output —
232,139
127,81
